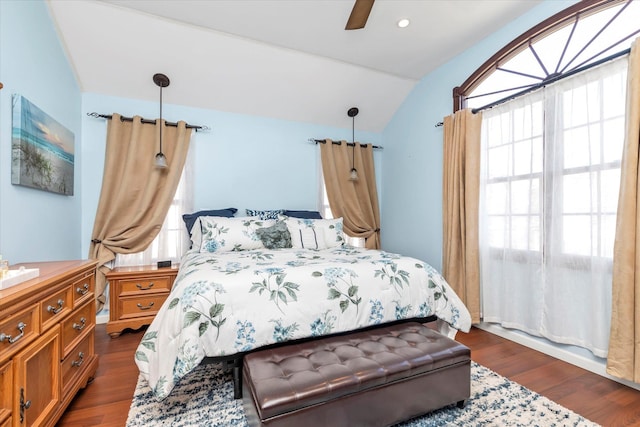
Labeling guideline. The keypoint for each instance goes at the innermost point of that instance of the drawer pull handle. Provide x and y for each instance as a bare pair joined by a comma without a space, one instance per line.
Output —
145,308
139,286
9,338
23,405
79,362
83,290
55,310
80,326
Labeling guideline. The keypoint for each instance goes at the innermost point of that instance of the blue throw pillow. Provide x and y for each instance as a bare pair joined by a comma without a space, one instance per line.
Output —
304,214
190,219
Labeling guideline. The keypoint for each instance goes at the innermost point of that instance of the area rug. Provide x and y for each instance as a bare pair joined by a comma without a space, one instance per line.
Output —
205,398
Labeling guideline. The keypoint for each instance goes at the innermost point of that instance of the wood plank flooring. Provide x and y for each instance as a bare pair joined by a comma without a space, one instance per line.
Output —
105,402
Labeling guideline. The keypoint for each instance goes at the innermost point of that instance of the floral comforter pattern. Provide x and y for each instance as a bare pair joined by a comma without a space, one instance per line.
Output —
232,302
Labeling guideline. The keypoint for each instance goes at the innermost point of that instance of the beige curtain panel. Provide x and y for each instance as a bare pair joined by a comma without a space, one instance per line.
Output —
135,195
460,198
623,360
355,201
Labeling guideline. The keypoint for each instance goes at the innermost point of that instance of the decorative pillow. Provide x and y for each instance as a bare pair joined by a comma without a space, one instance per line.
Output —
303,214
190,219
231,234
315,233
273,214
275,237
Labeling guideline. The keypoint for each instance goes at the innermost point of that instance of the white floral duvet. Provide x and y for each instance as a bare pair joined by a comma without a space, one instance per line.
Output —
232,302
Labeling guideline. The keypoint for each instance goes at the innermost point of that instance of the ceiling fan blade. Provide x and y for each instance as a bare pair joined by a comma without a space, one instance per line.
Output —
359,14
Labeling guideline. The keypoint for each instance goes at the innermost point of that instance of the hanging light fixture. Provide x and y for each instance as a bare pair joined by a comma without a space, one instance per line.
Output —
353,112
162,81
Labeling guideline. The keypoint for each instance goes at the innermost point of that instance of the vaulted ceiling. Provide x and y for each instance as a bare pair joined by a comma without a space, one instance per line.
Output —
284,59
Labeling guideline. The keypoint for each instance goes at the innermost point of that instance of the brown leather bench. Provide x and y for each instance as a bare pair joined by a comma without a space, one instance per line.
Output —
376,377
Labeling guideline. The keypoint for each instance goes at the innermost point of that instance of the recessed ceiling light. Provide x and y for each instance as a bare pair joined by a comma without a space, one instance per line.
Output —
403,23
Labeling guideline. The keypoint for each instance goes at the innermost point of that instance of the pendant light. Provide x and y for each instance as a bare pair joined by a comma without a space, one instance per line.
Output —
353,112
162,81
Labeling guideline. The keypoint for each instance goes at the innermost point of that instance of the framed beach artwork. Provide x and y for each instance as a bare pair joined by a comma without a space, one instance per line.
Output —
42,150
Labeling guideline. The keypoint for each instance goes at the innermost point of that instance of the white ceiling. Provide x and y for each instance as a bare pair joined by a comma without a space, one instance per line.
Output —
287,59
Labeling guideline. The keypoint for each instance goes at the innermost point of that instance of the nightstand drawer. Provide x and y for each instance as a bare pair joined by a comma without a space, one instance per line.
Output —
136,294
144,285
18,330
147,306
77,326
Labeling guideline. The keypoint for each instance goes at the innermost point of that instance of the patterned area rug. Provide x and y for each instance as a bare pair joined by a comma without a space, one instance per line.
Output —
205,398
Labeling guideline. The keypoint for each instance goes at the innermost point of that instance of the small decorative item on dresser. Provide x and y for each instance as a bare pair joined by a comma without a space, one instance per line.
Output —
136,294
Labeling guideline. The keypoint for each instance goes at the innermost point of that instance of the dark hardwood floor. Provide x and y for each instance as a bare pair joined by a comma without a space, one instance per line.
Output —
105,402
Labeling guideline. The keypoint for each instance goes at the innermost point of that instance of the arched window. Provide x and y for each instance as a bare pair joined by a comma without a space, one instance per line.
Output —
581,36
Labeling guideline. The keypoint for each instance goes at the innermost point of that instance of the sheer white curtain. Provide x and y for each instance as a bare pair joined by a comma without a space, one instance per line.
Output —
549,185
173,240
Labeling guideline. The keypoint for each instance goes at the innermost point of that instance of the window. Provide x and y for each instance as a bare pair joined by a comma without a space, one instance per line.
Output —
172,240
550,178
558,153
325,211
553,104
582,35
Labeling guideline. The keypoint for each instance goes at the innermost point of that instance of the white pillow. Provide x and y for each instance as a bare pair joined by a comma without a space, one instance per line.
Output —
219,234
315,233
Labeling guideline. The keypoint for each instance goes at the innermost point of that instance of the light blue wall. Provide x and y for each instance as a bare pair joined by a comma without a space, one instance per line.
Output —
411,200
242,162
36,225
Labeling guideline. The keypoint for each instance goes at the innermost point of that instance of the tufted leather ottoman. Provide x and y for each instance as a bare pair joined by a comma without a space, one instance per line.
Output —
369,378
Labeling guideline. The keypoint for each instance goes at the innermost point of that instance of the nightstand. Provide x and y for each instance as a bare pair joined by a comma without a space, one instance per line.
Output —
136,293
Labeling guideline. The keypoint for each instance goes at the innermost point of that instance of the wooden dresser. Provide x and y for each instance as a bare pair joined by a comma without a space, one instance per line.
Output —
47,350
136,294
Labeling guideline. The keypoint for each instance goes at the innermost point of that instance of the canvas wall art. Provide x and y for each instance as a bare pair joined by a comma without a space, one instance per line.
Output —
42,150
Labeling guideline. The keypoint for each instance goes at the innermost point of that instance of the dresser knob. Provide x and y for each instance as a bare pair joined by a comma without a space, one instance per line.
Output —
83,290
79,362
9,338
81,325
55,310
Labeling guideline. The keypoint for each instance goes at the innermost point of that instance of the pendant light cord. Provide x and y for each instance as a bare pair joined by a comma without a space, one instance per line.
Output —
161,119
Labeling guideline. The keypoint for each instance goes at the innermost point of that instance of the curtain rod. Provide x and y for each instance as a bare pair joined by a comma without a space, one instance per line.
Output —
547,82
148,121
349,144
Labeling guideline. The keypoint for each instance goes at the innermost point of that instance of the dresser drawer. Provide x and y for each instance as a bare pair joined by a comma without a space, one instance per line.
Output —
18,330
83,289
78,358
55,307
144,306
77,325
143,285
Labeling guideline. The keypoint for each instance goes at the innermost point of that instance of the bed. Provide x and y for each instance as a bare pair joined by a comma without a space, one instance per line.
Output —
229,302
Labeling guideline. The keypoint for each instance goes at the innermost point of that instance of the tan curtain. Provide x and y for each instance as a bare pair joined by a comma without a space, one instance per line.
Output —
623,360
135,195
460,198
355,201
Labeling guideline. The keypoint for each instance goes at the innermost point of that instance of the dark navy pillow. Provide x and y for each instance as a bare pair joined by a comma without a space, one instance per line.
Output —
304,214
190,219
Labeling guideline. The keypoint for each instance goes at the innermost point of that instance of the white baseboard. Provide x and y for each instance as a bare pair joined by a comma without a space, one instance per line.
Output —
559,351
102,318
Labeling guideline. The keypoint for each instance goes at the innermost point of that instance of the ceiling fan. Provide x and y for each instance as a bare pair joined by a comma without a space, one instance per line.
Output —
359,14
